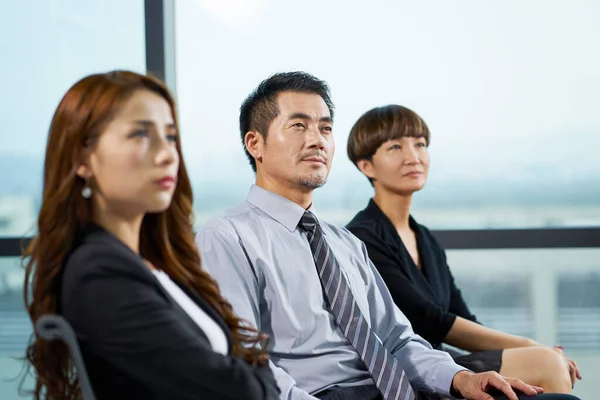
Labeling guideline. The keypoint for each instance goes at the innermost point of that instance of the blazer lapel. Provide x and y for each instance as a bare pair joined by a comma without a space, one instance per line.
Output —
429,269
204,305
98,233
393,240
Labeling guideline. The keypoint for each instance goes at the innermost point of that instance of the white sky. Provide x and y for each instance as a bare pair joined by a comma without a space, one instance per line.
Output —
46,46
506,85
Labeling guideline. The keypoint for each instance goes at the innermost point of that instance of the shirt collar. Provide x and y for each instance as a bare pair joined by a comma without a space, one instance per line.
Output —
282,210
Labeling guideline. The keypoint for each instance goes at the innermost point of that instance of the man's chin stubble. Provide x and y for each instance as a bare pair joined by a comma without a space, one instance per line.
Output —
312,182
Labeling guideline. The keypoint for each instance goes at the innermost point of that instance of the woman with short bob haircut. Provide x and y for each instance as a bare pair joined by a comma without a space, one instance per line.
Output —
115,255
389,145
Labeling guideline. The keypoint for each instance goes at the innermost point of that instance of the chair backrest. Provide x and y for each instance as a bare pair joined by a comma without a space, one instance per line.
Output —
54,327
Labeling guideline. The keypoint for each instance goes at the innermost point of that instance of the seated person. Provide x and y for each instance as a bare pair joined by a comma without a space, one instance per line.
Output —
115,255
390,147
335,331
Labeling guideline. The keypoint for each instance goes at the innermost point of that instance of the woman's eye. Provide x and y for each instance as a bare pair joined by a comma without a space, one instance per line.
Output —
140,133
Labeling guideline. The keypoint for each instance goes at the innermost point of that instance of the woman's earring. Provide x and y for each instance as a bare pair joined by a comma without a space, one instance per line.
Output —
86,192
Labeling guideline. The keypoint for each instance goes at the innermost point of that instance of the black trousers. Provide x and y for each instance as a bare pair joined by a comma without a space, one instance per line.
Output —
550,396
371,393
351,393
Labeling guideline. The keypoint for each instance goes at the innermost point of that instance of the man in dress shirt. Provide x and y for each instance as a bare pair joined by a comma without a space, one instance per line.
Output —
265,267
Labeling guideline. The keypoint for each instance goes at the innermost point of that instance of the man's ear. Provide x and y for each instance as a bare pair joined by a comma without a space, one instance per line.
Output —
367,168
255,144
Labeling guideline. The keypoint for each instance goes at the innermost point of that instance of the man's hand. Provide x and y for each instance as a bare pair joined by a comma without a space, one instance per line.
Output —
475,386
573,367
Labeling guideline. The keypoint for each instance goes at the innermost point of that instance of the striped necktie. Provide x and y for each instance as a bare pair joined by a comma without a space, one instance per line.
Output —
389,377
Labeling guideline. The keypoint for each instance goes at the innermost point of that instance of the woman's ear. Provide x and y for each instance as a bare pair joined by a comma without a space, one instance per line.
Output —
366,167
83,170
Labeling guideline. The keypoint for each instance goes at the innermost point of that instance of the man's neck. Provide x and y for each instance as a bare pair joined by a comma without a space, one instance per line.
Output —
395,206
302,197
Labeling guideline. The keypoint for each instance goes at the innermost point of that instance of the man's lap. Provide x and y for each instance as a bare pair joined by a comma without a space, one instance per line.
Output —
549,396
371,393
351,393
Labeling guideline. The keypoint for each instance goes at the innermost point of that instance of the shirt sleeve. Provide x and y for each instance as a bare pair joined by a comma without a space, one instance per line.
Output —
224,257
427,369
428,319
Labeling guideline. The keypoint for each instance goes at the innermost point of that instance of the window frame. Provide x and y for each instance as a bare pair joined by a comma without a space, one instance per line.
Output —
160,61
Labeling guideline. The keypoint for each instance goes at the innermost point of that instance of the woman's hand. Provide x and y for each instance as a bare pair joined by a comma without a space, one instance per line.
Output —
573,367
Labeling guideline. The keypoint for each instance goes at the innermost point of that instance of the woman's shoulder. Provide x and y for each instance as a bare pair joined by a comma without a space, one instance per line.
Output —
97,266
98,253
367,222
366,229
361,221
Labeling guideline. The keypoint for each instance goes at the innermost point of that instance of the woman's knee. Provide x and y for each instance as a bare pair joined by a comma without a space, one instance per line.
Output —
553,369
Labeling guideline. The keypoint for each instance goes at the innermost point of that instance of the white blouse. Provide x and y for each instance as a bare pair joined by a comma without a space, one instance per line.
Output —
211,329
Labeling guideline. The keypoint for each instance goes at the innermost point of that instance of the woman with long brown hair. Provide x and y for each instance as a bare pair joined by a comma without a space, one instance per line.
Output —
115,255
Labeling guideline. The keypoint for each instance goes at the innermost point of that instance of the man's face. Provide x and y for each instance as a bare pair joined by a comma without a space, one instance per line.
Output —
299,146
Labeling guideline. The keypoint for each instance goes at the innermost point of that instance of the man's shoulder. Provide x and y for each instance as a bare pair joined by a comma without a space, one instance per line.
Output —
223,227
227,219
342,233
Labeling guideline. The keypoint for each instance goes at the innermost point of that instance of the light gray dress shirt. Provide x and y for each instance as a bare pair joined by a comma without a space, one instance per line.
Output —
265,268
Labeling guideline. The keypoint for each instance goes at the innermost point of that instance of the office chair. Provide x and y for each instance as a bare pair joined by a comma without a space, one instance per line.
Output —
52,327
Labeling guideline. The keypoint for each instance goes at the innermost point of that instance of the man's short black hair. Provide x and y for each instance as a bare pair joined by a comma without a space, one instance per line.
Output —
260,107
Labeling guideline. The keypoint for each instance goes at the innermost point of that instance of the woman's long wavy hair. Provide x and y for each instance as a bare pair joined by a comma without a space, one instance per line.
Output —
167,238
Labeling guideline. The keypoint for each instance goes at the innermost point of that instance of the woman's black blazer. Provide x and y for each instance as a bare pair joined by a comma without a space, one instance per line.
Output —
137,342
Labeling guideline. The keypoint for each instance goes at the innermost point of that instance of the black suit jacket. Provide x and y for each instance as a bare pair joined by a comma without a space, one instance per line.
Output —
428,296
137,342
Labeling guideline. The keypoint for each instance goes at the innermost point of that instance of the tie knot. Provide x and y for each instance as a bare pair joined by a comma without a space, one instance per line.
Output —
308,222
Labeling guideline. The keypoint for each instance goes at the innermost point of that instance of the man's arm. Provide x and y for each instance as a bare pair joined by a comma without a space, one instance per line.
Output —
427,369
426,317
224,257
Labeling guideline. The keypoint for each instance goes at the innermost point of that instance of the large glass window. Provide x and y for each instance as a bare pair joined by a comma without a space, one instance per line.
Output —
15,328
549,295
46,46
509,90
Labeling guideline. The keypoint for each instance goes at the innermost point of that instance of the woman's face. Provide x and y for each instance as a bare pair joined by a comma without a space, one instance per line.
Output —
399,166
132,166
